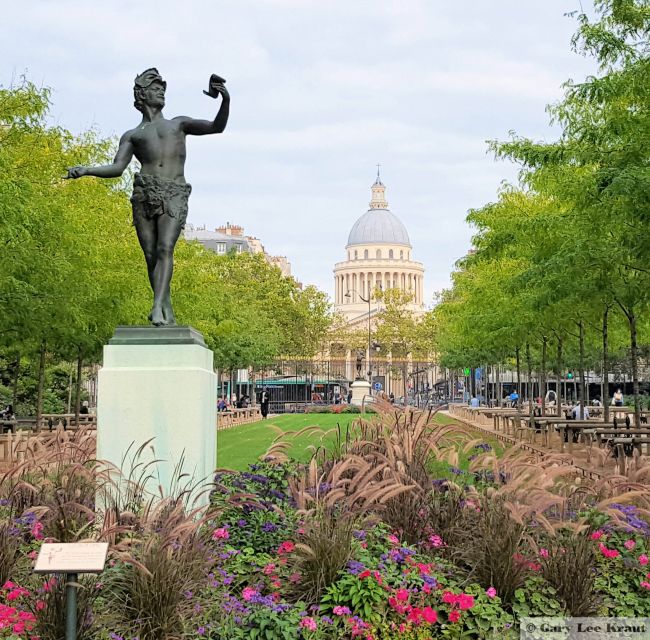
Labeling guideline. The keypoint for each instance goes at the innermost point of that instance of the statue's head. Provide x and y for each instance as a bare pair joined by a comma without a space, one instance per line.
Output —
149,88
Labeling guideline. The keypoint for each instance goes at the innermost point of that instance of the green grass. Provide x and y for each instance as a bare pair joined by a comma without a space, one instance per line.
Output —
240,446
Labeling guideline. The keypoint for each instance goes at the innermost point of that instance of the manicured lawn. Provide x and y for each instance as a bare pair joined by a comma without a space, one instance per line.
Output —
240,446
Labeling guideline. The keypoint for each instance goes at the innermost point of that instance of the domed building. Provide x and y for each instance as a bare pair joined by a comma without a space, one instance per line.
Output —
378,257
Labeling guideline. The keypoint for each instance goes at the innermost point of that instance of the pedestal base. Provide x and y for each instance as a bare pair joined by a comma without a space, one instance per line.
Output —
360,389
158,384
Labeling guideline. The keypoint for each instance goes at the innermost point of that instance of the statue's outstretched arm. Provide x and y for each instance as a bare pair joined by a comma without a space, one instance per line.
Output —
121,162
194,127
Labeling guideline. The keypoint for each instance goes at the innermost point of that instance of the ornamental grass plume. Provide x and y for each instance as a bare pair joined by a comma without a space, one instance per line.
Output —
56,480
167,557
570,567
9,551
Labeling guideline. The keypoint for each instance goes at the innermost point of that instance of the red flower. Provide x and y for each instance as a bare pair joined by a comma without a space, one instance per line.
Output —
465,601
454,616
364,574
402,595
286,547
429,615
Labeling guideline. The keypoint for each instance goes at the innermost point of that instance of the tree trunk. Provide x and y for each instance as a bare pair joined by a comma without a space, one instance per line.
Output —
518,379
560,371
635,369
605,386
498,386
542,376
77,388
14,382
581,328
530,383
41,385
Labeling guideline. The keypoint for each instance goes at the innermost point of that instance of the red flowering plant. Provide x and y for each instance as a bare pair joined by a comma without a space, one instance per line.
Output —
16,620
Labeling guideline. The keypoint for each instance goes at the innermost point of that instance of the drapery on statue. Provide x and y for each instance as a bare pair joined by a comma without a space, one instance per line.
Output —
160,192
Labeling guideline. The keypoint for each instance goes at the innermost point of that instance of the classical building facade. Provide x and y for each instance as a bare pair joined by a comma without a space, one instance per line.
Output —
378,256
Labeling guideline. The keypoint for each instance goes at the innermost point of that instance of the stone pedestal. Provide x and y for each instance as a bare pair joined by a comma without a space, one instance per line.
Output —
158,383
360,389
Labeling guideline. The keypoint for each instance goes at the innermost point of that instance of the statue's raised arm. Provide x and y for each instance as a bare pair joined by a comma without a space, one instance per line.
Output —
195,127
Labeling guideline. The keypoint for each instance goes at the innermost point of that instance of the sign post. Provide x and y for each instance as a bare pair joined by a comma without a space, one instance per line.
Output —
71,559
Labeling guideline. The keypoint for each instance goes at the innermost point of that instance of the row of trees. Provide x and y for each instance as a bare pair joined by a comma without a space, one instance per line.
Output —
560,275
71,268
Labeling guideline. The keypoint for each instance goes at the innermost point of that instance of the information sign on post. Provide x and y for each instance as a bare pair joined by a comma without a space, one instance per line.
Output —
71,558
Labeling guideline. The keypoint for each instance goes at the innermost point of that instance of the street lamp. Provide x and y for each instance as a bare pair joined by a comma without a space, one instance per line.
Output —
349,295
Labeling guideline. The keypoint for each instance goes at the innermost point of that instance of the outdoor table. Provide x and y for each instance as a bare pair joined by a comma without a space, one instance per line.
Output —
8,425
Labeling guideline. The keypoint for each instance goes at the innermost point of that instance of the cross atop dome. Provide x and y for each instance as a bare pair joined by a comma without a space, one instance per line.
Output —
378,199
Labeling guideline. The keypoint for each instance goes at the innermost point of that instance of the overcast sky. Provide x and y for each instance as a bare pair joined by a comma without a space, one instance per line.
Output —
322,91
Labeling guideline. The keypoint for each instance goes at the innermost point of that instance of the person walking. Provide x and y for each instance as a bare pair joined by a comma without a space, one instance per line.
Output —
264,403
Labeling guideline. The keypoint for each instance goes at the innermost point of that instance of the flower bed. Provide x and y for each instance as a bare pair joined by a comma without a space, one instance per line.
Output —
366,544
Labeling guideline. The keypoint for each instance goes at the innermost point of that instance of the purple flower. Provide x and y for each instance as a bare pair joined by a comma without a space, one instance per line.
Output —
355,567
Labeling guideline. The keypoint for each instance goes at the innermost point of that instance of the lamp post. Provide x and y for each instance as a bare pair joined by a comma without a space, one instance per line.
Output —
349,295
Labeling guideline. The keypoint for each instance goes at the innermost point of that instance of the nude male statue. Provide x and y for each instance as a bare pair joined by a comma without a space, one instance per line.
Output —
160,192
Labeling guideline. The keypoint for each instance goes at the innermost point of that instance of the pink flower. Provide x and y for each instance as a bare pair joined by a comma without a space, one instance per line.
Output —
286,547
449,598
491,592
436,541
402,595
221,534
248,593
643,559
393,539
294,578
429,615
465,601
596,535
268,569
341,611
308,623
37,530
608,553
543,553
629,544
645,584
454,616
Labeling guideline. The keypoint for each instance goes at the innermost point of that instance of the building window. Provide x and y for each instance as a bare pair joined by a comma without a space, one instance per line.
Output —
390,254
365,254
378,254
240,247
221,247
401,255
356,254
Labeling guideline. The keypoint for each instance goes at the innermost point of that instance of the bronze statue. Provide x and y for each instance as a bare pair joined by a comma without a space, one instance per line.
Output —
160,192
360,357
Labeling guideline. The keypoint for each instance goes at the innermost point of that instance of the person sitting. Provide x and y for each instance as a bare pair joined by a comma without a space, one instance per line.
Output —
617,399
